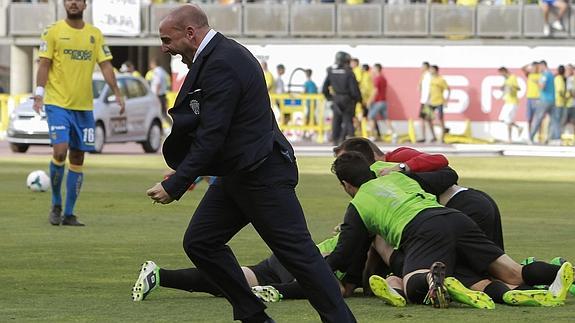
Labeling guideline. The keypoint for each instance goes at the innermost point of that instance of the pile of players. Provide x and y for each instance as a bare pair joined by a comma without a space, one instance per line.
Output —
408,221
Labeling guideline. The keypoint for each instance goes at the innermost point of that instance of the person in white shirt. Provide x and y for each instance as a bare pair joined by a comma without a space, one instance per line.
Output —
425,112
159,85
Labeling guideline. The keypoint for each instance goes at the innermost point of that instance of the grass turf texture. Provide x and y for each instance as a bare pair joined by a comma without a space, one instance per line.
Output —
60,274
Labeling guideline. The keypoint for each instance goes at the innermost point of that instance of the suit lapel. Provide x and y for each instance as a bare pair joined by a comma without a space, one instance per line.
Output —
193,73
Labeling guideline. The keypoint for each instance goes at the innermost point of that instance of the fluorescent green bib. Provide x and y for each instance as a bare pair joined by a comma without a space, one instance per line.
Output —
388,203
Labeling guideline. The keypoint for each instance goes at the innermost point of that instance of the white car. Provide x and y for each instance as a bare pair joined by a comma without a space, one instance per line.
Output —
141,122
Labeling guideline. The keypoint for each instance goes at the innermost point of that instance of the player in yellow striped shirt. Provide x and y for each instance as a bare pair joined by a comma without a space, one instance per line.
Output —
509,110
69,50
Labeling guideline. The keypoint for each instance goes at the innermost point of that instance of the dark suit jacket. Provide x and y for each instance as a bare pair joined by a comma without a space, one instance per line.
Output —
223,121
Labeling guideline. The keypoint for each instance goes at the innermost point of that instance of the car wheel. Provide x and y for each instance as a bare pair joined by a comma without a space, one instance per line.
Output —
154,138
19,148
99,138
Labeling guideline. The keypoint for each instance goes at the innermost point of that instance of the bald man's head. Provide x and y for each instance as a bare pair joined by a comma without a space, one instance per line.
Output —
183,30
187,15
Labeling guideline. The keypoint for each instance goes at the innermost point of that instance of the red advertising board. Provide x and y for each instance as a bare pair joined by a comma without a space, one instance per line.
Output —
475,93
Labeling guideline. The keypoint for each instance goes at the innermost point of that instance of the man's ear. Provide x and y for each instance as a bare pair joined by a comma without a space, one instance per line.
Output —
347,186
190,32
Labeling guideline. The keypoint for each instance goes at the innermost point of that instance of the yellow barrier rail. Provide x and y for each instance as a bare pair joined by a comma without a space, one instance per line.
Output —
301,112
7,103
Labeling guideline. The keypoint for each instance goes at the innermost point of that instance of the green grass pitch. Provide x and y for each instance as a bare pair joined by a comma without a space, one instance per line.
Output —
63,274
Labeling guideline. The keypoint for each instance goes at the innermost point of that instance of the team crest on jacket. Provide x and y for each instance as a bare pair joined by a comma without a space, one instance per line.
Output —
195,105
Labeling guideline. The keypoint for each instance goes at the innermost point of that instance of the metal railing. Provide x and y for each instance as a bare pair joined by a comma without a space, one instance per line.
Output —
295,19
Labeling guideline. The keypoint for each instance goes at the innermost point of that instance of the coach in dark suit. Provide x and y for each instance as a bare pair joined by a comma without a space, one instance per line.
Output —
224,126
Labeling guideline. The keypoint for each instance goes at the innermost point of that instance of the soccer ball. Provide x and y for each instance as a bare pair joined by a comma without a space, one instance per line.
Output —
38,181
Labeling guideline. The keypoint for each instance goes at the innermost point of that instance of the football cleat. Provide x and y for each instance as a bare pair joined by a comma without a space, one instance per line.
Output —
562,283
437,294
148,280
531,298
71,220
559,261
267,293
381,289
55,216
464,295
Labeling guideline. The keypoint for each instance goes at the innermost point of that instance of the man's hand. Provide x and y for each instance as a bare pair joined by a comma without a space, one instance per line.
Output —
121,103
386,171
38,103
159,195
337,229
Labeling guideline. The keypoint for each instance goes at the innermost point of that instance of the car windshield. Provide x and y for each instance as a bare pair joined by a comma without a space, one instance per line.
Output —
98,87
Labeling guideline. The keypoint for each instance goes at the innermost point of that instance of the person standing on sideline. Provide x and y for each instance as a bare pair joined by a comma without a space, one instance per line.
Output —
546,99
341,87
128,67
69,50
438,96
279,82
268,76
532,72
555,125
568,115
509,111
378,106
279,88
309,87
224,126
424,112
159,84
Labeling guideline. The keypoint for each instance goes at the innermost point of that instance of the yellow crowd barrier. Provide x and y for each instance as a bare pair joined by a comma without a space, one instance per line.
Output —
4,112
464,138
7,103
301,112
306,113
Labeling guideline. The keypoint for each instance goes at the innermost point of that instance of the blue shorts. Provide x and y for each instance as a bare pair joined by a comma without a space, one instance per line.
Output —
548,2
377,109
76,128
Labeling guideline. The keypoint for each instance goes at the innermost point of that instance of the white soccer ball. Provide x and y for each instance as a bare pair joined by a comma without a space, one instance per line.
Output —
38,181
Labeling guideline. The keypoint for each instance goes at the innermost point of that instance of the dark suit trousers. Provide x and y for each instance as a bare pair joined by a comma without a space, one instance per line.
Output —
266,198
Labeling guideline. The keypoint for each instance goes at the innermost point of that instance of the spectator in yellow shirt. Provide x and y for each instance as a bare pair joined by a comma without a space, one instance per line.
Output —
568,116
365,87
532,72
269,77
509,111
438,95
560,105
360,107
